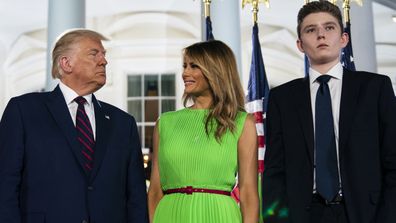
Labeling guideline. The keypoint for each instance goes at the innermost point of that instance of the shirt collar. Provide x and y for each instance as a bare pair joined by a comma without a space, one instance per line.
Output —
69,94
336,72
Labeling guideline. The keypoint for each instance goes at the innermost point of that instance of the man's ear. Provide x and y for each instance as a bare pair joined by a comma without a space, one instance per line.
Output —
344,39
300,46
64,63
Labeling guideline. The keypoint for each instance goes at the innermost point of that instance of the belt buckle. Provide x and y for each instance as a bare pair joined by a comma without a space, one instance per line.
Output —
337,200
188,190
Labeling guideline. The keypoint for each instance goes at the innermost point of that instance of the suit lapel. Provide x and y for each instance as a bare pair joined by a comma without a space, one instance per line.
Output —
58,108
102,133
303,100
349,96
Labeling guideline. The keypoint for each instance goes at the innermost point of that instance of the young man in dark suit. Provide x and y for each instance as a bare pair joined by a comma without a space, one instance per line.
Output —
331,137
66,156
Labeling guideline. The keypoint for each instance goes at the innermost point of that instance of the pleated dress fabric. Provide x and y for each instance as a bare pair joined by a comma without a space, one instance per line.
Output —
187,156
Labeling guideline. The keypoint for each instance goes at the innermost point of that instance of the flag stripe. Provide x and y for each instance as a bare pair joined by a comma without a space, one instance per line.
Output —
254,106
347,53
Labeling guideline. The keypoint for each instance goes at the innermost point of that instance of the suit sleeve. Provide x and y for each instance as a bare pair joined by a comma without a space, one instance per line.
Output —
137,197
275,208
11,163
387,126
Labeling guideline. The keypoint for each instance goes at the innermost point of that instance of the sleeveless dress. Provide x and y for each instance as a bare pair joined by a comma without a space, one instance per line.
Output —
187,156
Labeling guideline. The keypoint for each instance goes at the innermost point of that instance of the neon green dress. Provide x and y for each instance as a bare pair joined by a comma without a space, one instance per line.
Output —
188,157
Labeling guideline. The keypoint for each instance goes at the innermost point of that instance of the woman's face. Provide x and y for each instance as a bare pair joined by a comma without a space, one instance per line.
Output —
195,83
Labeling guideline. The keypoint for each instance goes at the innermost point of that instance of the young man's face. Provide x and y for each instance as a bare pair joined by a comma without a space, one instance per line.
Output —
321,38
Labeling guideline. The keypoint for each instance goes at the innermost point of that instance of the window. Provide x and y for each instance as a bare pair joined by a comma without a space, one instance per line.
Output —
149,95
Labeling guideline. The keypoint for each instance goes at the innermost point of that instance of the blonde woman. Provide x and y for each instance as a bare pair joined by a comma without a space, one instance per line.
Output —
199,150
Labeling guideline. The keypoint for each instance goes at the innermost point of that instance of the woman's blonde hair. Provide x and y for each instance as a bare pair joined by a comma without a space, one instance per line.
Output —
217,63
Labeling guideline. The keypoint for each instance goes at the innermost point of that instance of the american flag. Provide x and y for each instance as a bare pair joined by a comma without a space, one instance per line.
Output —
256,104
307,65
209,32
347,53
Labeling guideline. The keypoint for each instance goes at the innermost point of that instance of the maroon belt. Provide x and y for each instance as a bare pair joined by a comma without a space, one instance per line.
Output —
190,190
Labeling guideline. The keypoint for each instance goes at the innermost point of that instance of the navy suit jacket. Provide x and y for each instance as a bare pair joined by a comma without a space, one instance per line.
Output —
367,150
42,178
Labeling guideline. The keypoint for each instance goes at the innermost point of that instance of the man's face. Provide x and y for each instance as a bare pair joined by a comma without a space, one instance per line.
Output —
321,38
88,65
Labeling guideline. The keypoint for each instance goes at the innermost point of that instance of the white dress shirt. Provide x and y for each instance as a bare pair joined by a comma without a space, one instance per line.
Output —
69,95
335,86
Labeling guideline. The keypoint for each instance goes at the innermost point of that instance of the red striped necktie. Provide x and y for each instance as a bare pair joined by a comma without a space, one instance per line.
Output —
84,134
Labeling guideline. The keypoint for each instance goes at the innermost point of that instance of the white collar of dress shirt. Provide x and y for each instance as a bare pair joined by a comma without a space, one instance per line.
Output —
336,72
69,94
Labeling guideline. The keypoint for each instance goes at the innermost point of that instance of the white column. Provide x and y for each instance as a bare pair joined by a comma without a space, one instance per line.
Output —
62,15
226,25
363,39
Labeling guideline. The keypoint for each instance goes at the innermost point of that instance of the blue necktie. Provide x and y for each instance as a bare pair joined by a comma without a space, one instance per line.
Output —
84,133
327,181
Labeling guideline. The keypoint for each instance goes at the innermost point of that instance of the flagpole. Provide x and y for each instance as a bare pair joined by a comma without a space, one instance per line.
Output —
346,6
207,7
208,22
255,8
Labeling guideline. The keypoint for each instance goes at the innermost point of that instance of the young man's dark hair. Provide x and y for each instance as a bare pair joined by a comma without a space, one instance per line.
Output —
315,7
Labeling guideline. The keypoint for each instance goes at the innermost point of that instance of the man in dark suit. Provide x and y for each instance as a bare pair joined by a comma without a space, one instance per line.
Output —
351,175
65,156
